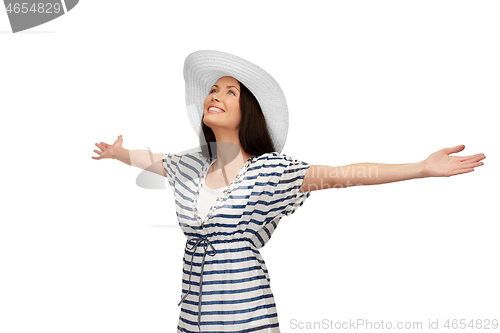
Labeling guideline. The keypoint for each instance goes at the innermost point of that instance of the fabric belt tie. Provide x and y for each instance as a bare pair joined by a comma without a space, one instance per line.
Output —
193,248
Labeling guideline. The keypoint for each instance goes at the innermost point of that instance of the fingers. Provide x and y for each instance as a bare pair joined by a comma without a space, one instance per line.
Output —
471,158
98,157
100,146
471,165
466,167
455,149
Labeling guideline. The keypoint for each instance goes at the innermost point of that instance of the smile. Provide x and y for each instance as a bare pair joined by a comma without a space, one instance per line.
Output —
214,109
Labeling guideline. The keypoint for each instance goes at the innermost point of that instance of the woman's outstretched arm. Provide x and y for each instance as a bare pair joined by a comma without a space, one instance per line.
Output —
142,159
438,164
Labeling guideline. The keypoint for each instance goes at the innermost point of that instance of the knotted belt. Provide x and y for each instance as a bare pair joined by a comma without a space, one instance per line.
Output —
193,248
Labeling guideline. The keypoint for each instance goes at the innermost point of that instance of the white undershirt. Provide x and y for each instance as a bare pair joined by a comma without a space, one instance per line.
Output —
207,198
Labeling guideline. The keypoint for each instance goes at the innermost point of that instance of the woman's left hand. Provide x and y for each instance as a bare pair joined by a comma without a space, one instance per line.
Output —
439,164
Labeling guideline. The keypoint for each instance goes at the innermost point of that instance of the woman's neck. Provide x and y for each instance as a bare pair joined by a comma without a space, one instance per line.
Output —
230,155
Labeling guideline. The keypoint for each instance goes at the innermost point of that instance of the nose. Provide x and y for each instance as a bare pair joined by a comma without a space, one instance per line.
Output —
215,98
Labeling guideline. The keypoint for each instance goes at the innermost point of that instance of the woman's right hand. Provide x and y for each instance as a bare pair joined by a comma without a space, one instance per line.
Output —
108,151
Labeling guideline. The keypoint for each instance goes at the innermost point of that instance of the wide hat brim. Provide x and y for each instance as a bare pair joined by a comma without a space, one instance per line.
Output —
203,68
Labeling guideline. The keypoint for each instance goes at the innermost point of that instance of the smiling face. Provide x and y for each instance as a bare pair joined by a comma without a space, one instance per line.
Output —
221,109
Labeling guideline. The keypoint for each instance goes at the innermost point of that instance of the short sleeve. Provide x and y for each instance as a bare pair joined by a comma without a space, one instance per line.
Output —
284,179
170,164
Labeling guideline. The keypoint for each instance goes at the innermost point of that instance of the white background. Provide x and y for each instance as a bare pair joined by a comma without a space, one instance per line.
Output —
84,249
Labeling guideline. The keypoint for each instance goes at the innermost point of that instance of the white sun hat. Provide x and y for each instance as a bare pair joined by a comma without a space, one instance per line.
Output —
203,68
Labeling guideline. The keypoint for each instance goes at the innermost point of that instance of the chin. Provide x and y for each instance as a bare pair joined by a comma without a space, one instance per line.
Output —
208,123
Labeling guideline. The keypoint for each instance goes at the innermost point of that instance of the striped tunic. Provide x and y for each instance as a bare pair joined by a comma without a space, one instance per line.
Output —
225,281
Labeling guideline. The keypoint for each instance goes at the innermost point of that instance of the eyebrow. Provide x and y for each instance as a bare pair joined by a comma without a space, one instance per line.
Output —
226,87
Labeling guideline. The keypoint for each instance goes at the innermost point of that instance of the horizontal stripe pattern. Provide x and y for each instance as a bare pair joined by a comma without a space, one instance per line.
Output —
236,292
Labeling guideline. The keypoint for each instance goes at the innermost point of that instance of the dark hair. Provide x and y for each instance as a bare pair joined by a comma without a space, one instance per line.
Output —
253,135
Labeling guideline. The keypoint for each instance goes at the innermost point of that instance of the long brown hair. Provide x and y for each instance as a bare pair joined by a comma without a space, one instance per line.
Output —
254,135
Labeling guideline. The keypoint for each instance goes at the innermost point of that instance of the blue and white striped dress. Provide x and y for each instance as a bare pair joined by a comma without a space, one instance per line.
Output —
223,251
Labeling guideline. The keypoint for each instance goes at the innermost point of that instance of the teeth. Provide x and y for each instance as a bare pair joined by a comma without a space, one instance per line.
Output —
215,109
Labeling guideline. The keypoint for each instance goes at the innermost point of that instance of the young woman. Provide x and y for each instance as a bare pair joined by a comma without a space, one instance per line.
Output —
232,191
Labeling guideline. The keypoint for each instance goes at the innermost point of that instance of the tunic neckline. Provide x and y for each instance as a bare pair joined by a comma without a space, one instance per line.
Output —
221,198
204,182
